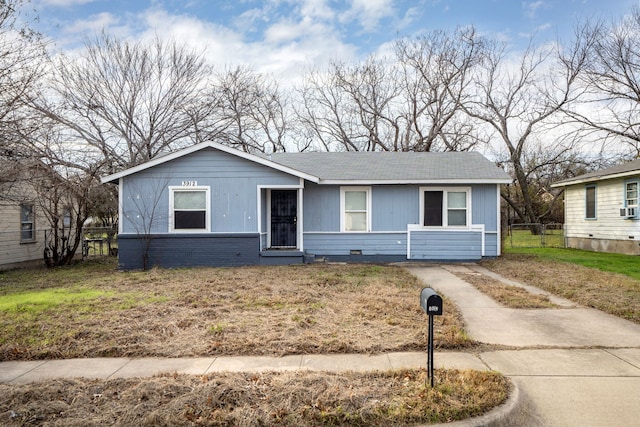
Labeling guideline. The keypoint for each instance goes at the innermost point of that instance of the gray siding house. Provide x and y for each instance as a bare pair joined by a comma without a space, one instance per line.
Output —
216,206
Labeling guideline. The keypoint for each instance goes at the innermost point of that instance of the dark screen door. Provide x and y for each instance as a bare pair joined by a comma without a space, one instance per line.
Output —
284,218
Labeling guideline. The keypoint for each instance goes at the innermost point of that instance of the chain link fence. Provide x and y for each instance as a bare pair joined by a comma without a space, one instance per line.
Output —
535,235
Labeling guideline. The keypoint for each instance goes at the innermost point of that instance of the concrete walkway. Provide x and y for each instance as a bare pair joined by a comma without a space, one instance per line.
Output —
572,366
576,367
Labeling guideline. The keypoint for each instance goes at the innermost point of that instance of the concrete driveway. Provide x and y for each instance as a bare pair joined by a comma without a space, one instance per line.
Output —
574,366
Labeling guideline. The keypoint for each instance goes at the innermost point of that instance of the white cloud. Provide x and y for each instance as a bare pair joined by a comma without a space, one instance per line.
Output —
531,7
368,13
95,24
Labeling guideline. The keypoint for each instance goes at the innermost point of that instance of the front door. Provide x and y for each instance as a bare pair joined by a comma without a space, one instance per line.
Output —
284,218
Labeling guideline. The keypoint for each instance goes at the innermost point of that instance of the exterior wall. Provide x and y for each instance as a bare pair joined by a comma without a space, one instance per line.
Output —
233,183
188,250
14,253
608,232
394,209
446,245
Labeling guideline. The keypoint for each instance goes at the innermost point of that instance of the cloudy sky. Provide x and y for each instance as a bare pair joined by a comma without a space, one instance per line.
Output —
283,37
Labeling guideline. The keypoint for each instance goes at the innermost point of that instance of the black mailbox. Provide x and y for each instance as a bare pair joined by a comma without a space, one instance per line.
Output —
431,302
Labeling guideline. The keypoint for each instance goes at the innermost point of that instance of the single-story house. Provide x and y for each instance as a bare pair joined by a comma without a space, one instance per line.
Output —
23,227
601,209
209,204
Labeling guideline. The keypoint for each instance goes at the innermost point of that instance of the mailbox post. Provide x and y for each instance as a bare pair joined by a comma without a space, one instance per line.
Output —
431,303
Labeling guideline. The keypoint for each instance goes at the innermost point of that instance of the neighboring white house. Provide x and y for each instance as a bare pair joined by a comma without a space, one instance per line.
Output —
601,209
22,228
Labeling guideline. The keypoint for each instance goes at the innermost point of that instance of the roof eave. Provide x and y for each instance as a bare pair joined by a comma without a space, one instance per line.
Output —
595,178
415,181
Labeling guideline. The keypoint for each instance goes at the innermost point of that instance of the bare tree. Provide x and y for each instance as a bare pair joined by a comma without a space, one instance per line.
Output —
436,71
521,99
611,103
22,56
410,102
249,111
127,102
145,214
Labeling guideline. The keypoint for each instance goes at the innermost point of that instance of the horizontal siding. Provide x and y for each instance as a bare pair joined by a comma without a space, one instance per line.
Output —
343,243
444,245
181,250
608,223
12,251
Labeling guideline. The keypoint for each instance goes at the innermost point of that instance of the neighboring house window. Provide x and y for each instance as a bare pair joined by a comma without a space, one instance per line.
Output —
356,208
590,205
446,207
27,223
66,218
189,208
631,194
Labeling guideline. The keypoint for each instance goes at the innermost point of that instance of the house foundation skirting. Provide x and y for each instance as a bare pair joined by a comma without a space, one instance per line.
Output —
188,250
628,247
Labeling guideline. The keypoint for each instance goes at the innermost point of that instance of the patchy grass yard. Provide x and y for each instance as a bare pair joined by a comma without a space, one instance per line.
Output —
564,272
283,399
93,310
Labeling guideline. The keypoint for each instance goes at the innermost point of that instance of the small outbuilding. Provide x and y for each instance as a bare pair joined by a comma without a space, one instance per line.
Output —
601,209
212,205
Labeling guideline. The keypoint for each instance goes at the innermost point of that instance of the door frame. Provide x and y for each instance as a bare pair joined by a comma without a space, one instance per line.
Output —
266,202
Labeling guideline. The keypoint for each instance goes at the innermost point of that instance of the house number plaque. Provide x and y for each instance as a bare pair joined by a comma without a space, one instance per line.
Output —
189,183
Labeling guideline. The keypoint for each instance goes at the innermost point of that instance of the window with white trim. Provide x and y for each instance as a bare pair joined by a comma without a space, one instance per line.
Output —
631,194
189,209
355,207
444,207
590,202
27,223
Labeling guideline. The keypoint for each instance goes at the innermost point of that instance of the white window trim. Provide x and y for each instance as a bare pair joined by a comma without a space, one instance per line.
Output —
343,224
207,214
445,217
626,183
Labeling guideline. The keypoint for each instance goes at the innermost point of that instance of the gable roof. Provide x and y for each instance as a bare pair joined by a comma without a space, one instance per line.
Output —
358,168
197,147
620,171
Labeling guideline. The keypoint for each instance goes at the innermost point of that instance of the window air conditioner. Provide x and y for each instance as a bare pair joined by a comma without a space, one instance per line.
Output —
629,212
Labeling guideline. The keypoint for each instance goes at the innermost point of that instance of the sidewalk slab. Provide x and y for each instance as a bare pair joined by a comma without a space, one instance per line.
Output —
629,355
254,364
559,362
581,401
148,367
101,368
10,371
346,362
441,360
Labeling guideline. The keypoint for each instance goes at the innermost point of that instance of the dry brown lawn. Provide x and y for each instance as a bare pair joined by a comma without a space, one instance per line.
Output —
306,309
612,293
266,399
92,310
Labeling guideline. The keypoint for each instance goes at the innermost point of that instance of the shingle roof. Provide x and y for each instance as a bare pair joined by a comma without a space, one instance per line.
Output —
394,166
358,168
625,169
